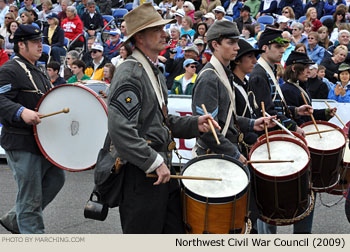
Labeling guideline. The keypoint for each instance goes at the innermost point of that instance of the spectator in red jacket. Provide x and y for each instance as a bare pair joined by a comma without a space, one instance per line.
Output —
73,27
311,16
3,55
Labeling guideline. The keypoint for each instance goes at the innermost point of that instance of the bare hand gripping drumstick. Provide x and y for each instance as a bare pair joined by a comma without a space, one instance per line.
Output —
312,117
211,125
65,110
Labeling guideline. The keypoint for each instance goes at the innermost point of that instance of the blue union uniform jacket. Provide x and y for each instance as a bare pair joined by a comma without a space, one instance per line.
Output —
14,86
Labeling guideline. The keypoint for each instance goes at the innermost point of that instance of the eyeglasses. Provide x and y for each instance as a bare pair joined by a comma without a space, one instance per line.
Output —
11,11
192,66
295,29
94,51
185,6
311,38
8,17
285,12
68,58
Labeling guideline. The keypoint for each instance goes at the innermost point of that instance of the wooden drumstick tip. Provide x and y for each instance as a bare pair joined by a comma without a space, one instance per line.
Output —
65,110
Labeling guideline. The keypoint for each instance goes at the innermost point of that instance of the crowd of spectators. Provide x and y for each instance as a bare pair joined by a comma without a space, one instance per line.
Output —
83,44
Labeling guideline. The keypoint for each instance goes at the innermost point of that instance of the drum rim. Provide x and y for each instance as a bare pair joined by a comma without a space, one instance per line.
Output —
318,151
212,200
276,132
36,131
280,178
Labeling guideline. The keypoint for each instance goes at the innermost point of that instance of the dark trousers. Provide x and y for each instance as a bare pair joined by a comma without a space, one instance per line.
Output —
150,209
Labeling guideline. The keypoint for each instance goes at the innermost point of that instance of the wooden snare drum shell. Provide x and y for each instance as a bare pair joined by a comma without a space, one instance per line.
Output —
284,197
215,215
325,164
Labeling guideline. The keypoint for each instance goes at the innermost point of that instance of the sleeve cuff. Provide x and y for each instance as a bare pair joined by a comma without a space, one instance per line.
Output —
17,116
236,155
251,125
159,160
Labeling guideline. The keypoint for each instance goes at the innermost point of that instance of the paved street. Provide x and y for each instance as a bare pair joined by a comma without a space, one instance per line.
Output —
65,213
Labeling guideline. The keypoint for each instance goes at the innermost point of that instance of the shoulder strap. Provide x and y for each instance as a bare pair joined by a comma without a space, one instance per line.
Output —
230,111
28,73
268,69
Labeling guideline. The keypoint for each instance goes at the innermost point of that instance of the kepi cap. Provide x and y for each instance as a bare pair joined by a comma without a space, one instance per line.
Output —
26,32
270,36
223,28
298,58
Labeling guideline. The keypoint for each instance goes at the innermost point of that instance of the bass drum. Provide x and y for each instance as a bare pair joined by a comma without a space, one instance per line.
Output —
71,141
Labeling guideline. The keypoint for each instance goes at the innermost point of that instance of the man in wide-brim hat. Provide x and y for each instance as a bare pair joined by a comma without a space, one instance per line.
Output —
139,127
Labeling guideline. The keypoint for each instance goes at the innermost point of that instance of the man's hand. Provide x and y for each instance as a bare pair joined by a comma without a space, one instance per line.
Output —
305,110
242,159
30,117
300,131
332,111
259,123
163,174
203,125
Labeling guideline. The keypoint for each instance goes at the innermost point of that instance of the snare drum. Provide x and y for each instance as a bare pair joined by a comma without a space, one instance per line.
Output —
71,141
282,190
344,180
219,207
326,154
283,134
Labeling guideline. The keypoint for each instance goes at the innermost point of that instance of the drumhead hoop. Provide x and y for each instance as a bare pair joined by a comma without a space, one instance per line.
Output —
216,192
71,141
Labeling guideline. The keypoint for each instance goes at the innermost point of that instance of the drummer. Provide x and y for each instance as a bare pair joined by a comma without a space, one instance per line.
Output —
212,88
22,85
241,66
264,85
295,77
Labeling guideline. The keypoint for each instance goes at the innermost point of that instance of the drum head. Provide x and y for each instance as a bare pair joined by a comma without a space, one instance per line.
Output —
235,178
330,141
72,140
280,149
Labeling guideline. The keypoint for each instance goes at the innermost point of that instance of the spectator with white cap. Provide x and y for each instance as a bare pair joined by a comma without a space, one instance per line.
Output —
282,22
183,84
179,14
111,46
209,19
139,2
233,8
219,12
94,69
178,6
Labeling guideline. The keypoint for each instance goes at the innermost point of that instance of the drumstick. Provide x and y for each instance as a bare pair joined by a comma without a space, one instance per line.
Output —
266,132
318,132
281,126
184,177
340,120
312,117
211,125
269,161
65,110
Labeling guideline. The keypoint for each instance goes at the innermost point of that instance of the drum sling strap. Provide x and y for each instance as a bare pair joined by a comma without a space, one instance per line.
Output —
24,67
156,84
268,70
